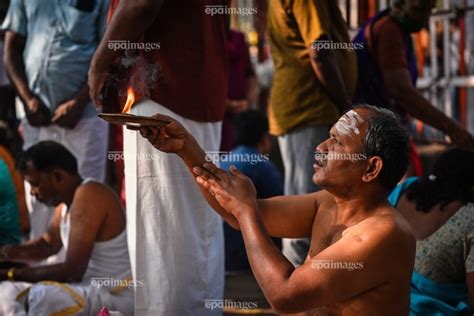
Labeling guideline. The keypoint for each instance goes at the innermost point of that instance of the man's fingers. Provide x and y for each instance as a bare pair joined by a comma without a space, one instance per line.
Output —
55,118
163,117
201,172
213,168
236,172
156,138
217,188
146,132
203,182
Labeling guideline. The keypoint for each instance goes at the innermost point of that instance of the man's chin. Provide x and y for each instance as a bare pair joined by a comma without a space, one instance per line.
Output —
317,180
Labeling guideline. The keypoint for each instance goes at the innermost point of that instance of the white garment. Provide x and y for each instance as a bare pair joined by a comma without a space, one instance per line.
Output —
87,142
108,259
46,298
175,238
109,262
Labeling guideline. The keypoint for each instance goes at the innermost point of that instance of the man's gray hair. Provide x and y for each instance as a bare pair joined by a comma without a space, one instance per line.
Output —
387,138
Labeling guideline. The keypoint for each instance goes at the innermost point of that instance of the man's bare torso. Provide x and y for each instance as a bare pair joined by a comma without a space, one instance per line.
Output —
390,298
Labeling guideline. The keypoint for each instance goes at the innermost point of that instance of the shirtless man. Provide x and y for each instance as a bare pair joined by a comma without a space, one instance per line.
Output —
90,225
362,250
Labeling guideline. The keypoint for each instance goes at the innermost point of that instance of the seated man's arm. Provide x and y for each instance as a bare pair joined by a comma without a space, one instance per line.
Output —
291,216
87,218
38,249
354,260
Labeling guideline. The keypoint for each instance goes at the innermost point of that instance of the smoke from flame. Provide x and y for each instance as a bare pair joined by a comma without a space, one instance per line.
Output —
130,100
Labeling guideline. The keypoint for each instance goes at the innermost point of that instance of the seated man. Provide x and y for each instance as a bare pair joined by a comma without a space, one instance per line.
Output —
362,250
90,225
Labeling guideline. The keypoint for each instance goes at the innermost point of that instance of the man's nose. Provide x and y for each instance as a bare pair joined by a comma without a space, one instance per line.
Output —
322,147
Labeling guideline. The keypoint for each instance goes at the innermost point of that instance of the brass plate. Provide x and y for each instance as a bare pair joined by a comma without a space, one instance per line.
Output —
132,120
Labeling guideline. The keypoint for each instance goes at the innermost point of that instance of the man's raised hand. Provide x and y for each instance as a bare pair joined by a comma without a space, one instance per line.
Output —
234,192
169,138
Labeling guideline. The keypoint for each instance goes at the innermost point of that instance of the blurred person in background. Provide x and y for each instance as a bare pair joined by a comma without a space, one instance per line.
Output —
251,157
440,209
7,94
89,222
242,91
13,212
175,239
311,88
48,49
388,70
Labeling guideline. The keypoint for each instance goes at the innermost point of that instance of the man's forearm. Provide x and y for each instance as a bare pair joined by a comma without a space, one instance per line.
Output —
35,250
193,155
417,106
57,272
270,267
329,75
15,67
129,23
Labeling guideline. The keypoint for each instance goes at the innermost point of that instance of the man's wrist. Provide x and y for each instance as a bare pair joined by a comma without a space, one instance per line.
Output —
247,213
26,97
190,151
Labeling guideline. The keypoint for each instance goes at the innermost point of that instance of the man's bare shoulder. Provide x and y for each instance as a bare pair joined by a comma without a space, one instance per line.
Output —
94,190
95,196
386,233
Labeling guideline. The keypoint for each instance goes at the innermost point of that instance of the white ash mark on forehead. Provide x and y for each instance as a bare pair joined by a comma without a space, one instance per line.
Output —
348,123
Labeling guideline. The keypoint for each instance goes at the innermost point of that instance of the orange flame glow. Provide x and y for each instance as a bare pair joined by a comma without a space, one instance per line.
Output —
130,100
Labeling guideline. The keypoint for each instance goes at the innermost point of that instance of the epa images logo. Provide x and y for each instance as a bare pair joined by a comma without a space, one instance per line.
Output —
223,9
338,265
331,45
128,45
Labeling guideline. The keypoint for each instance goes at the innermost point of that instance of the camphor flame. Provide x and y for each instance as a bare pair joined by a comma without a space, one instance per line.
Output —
130,100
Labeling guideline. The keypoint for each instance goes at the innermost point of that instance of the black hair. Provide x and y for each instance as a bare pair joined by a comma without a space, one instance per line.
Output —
387,138
46,156
452,179
250,127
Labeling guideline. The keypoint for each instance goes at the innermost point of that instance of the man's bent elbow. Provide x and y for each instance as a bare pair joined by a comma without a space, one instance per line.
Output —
284,305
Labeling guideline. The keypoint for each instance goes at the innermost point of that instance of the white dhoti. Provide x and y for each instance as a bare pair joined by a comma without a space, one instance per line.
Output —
48,298
87,142
175,238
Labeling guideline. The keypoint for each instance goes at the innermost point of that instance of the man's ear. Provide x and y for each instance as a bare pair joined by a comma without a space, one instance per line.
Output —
374,167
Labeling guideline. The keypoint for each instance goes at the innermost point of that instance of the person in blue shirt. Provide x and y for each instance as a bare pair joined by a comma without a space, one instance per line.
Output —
251,157
48,49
